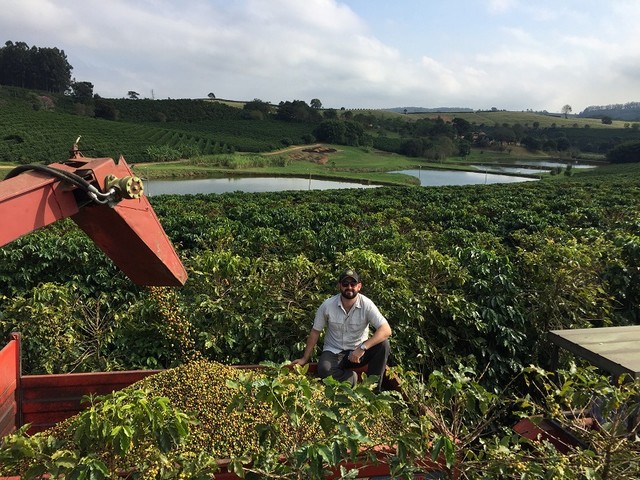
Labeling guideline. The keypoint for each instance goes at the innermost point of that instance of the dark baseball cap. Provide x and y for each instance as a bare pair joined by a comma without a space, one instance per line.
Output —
349,274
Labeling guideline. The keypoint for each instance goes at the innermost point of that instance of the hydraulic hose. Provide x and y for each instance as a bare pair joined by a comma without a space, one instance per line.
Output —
70,177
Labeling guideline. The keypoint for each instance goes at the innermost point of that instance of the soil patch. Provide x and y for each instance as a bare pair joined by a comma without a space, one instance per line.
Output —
316,154
320,150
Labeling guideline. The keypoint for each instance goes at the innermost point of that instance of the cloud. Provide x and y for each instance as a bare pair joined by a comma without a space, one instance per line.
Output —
511,53
500,6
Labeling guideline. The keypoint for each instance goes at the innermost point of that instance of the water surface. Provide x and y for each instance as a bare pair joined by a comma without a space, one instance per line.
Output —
243,184
428,178
433,178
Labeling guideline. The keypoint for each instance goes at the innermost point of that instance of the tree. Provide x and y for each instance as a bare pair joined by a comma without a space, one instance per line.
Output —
464,148
518,130
331,131
316,104
566,110
504,135
341,132
461,126
531,143
82,92
413,147
133,95
38,68
257,105
106,110
296,111
607,120
330,114
625,153
354,134
563,144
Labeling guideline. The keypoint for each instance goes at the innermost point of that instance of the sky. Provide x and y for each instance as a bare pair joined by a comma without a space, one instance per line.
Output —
481,54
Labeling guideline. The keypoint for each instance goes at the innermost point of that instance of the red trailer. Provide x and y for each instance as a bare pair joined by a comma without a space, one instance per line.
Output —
44,400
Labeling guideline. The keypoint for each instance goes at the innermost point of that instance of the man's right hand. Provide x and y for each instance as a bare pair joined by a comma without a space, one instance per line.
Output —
299,361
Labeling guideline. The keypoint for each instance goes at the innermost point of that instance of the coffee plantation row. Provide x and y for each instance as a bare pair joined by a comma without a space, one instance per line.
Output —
42,135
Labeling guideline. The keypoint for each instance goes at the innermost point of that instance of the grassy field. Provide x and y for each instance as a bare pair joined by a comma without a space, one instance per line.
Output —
348,163
488,117
336,162
526,119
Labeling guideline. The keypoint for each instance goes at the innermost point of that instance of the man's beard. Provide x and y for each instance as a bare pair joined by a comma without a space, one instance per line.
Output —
349,294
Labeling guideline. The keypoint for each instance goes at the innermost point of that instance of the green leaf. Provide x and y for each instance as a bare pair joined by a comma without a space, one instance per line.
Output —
437,447
236,466
123,442
449,452
326,453
35,471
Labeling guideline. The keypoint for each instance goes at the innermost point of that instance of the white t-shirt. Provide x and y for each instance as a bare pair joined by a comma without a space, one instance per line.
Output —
346,331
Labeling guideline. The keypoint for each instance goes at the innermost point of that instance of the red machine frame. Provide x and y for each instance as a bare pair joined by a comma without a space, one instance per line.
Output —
105,199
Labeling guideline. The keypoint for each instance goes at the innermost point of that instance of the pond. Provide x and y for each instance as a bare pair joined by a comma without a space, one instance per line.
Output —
530,167
433,178
279,184
428,178
242,184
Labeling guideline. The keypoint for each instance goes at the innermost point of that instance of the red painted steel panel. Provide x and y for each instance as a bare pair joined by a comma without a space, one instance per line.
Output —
9,381
129,232
545,429
30,201
79,379
8,413
49,399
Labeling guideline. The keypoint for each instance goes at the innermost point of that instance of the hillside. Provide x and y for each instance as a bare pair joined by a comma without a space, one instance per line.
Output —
41,127
471,277
409,110
500,117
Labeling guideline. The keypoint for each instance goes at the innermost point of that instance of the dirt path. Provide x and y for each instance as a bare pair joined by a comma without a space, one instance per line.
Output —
293,149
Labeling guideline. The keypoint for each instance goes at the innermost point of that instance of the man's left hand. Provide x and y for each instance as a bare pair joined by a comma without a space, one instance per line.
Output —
356,355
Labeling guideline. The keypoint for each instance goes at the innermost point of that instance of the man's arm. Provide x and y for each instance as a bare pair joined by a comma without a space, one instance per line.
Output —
312,340
380,335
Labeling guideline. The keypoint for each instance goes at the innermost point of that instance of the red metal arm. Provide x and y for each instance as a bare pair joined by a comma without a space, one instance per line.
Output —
128,232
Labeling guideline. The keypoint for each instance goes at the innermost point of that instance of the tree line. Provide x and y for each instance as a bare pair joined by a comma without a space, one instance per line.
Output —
622,111
40,68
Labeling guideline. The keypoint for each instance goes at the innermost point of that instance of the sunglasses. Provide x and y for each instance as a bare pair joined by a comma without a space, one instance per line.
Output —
349,283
